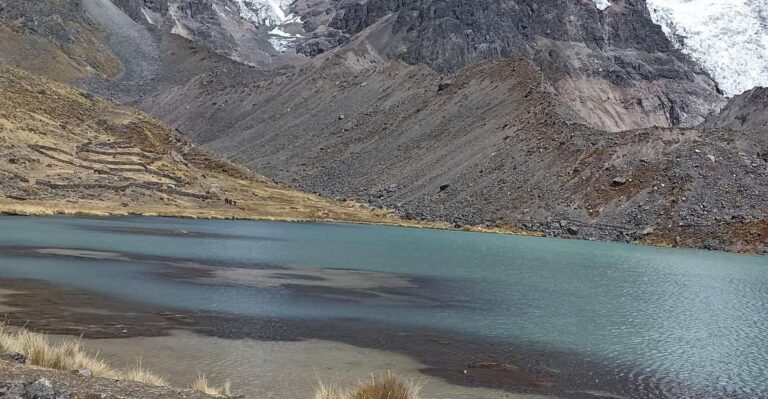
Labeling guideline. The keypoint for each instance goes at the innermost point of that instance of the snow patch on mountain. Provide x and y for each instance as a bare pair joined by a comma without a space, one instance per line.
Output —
178,27
602,4
264,12
727,37
272,13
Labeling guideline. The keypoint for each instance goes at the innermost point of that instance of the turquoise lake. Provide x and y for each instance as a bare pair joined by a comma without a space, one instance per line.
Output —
695,317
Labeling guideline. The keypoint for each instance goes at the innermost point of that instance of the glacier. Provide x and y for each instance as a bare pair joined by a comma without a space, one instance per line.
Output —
729,38
266,12
271,13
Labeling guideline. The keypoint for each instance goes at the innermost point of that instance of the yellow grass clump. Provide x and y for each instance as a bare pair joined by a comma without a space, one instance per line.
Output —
68,355
385,386
201,384
140,374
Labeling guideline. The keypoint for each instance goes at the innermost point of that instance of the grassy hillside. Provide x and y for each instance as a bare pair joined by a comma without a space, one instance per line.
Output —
65,151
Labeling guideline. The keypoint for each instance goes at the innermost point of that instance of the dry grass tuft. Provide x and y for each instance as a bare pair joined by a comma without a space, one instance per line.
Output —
385,386
202,385
69,355
328,392
140,374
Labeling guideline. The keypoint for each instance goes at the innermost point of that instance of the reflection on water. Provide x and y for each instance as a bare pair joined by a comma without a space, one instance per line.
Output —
648,314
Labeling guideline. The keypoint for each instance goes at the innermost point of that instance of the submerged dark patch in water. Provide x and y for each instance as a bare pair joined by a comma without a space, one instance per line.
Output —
204,273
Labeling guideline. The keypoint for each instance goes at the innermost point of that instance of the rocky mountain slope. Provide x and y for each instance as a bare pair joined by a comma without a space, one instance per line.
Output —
575,118
250,31
492,146
614,67
65,151
60,33
747,111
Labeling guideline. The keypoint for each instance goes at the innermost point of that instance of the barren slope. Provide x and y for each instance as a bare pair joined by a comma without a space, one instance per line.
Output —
55,39
65,151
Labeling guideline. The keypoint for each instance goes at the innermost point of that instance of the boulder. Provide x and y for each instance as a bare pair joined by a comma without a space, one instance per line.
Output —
13,390
41,389
85,373
15,357
619,181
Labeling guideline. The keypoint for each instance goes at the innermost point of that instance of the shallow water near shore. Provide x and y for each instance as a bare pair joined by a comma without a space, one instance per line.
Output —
651,322
279,370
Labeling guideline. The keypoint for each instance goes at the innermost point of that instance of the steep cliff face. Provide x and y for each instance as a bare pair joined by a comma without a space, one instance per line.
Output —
615,67
612,65
249,31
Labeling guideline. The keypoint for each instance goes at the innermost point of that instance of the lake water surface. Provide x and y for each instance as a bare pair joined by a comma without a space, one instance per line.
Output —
669,322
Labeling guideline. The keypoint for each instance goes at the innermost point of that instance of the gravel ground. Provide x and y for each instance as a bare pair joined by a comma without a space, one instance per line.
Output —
29,382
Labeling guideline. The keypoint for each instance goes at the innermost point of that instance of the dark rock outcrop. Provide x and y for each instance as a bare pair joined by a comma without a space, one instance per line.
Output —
450,34
41,388
747,111
616,67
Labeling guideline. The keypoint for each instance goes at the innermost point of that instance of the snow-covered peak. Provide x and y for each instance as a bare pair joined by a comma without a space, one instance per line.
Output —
728,37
